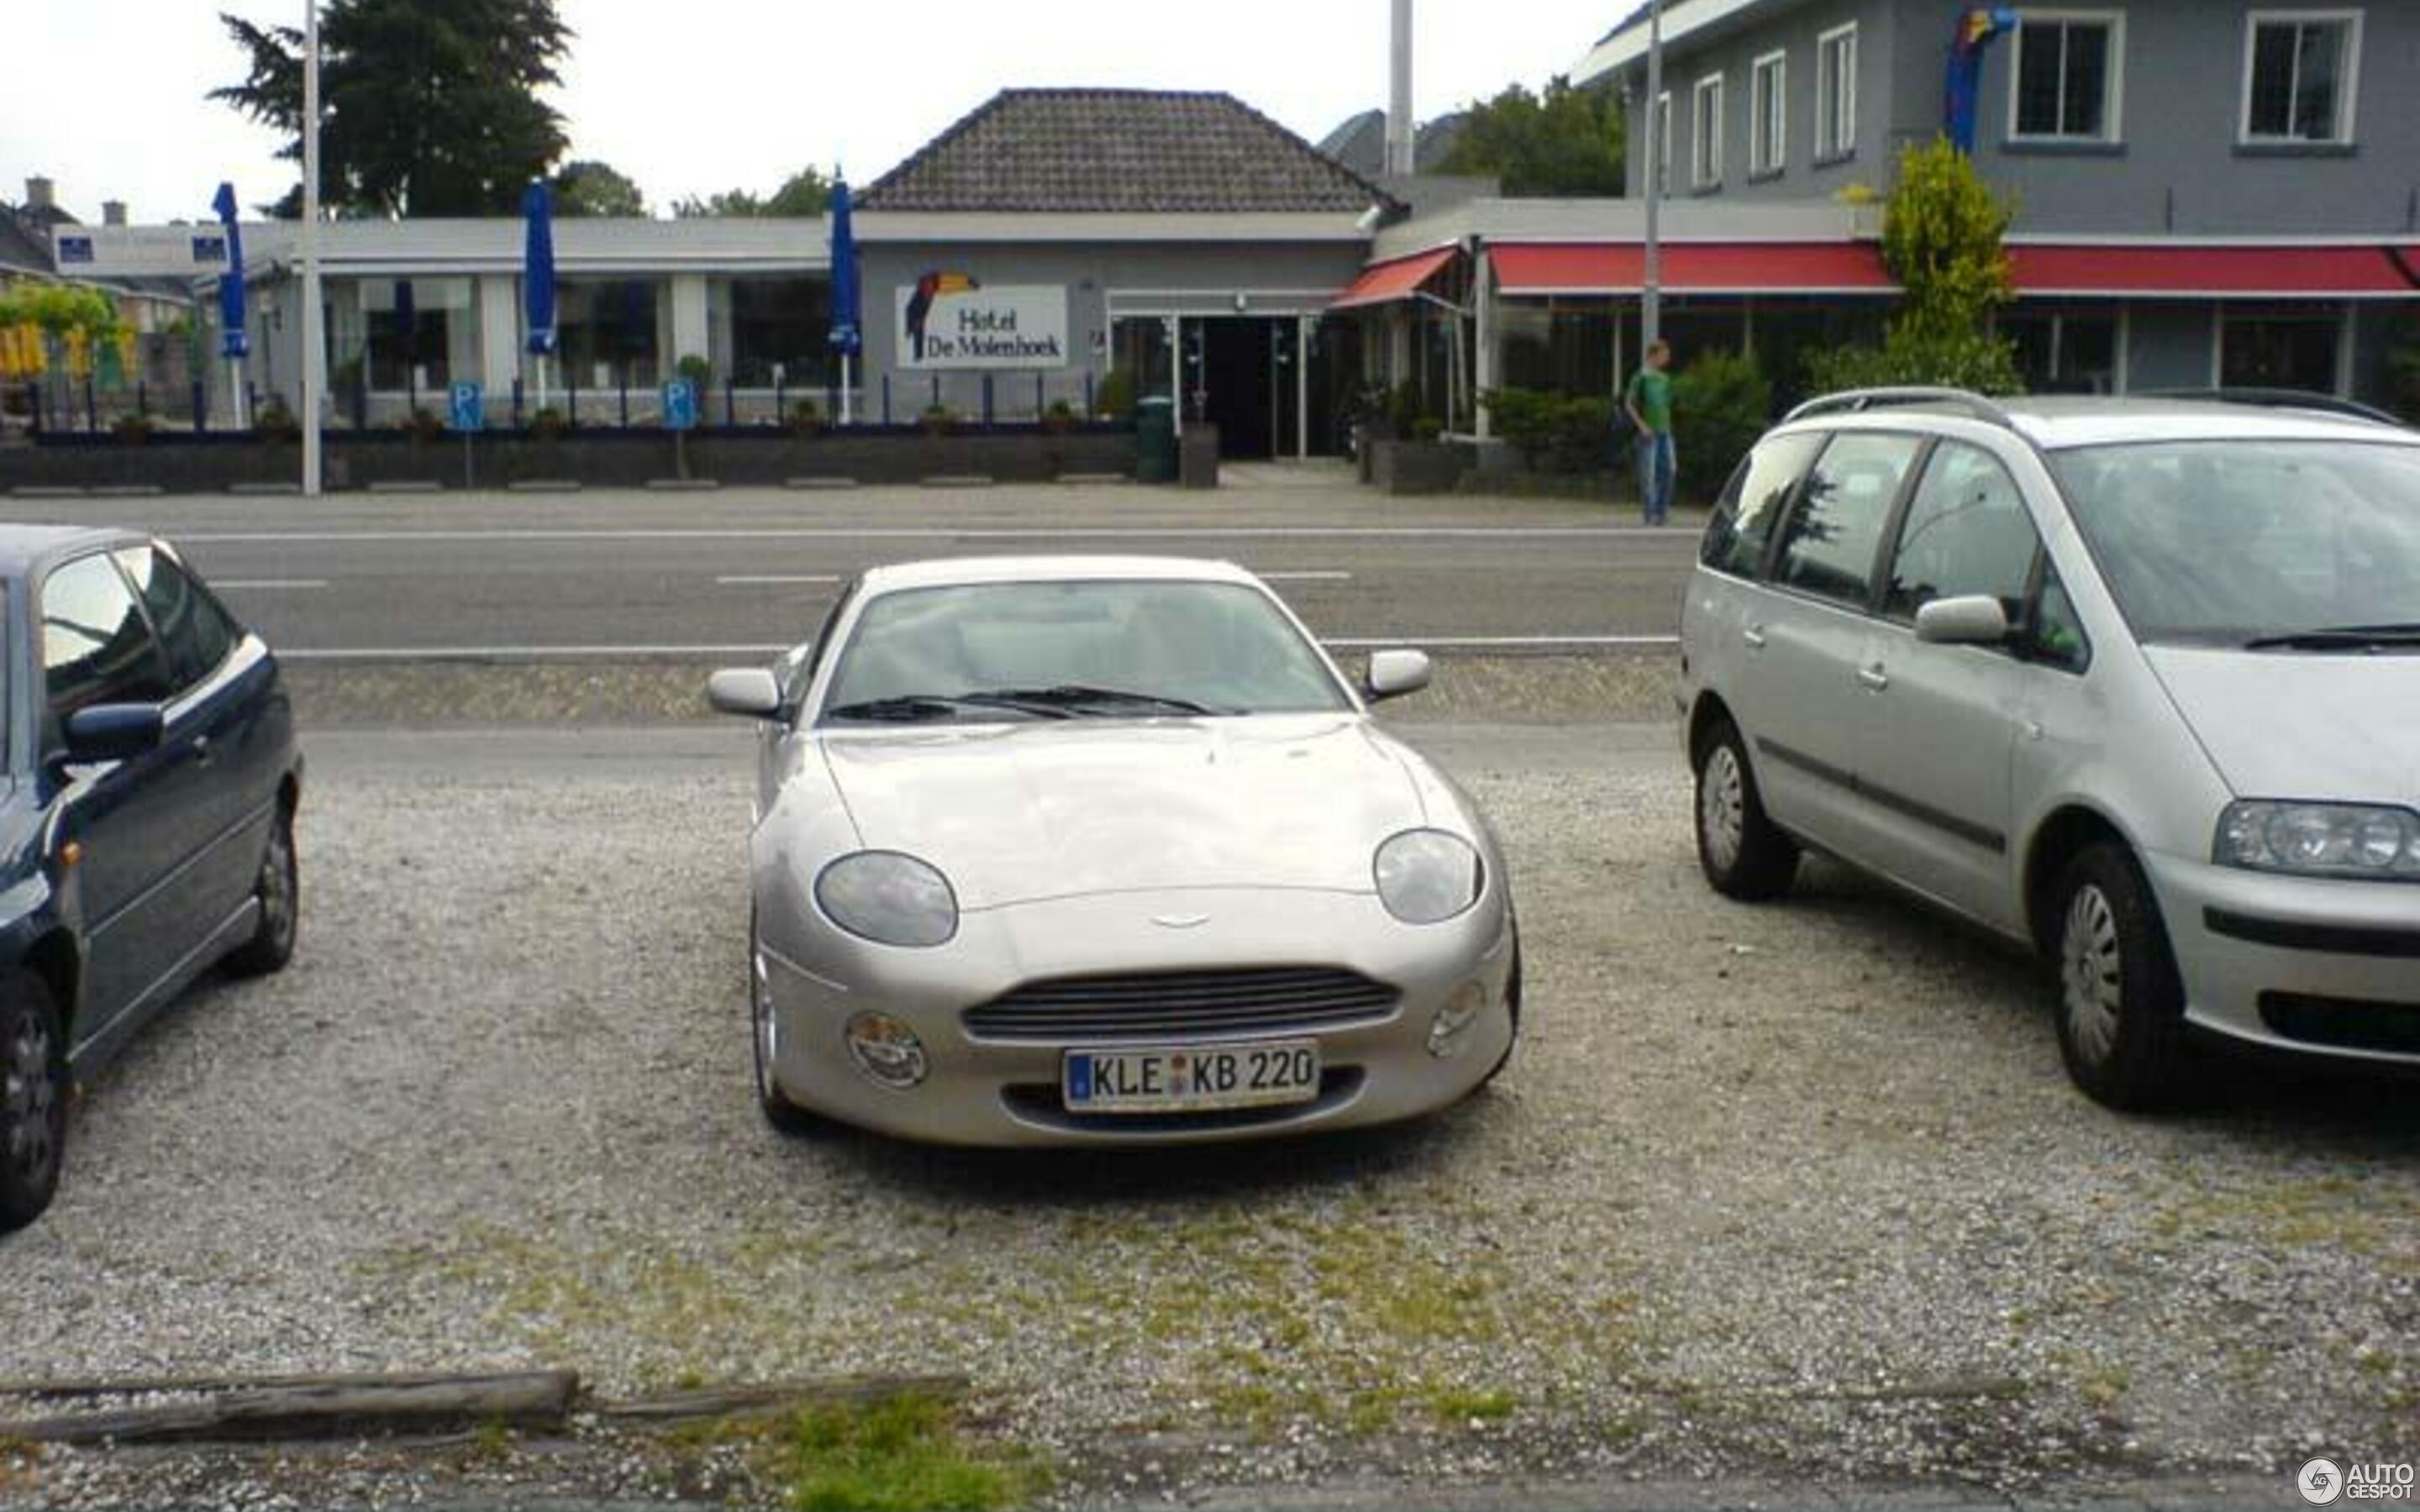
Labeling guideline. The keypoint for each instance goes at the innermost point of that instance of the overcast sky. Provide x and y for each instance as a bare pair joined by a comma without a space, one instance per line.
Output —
693,96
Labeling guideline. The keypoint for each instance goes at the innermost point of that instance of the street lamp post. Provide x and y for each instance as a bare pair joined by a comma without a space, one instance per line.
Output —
1650,301
315,365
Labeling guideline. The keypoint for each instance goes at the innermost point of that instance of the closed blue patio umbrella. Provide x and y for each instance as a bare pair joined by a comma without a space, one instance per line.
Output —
847,329
537,275
234,344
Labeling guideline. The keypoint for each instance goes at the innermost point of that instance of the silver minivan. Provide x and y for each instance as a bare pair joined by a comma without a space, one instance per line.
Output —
2135,683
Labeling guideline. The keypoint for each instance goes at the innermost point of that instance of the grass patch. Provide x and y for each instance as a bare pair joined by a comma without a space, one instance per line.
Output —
903,1454
1458,1406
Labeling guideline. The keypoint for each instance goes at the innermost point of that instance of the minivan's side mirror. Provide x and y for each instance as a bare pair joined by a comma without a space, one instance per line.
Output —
1394,673
748,691
1968,619
112,732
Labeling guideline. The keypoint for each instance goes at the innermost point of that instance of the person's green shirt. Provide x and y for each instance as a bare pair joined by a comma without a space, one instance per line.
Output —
1651,395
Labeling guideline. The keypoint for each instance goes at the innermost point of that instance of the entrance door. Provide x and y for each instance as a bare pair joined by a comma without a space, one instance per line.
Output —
1238,362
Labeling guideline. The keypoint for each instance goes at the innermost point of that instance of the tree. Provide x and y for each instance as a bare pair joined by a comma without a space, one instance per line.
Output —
805,193
1564,143
595,189
1943,240
429,107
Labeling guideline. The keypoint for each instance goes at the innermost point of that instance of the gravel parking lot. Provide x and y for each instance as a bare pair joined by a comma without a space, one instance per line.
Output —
1796,1195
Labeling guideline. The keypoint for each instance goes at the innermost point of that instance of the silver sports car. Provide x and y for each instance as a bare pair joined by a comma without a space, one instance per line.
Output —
1105,850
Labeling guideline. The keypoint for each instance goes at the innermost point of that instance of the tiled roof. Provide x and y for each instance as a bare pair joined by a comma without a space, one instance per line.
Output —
22,248
1361,143
1119,151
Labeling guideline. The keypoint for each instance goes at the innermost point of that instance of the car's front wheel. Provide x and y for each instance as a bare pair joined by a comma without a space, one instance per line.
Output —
2121,1026
278,889
1744,854
764,1034
33,1099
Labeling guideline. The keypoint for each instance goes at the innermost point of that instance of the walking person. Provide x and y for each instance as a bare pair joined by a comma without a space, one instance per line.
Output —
1649,403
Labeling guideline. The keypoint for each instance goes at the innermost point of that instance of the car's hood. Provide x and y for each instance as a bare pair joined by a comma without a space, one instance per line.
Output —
2300,725
1014,813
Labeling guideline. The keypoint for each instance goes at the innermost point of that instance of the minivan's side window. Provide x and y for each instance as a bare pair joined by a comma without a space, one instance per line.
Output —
2058,639
1966,533
1837,529
96,648
1743,519
196,632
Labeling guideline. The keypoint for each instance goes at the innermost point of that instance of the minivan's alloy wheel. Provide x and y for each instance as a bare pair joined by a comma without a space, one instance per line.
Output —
765,1031
2121,1002
1744,854
279,892
32,1099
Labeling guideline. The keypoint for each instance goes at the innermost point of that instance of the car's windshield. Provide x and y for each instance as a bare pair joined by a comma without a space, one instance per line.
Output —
2278,545
1076,649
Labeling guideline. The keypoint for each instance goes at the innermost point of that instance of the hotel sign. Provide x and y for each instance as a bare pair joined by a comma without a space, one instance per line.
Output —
139,251
949,321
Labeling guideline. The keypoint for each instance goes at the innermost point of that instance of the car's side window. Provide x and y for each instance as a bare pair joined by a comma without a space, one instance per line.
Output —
96,647
194,631
1966,533
1837,529
2057,638
1758,491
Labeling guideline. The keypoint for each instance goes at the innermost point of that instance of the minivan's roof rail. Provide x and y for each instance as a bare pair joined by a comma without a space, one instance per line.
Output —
1856,401
2324,404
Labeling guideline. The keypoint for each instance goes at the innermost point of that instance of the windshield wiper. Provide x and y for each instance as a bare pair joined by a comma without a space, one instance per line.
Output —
2338,638
910,708
1072,696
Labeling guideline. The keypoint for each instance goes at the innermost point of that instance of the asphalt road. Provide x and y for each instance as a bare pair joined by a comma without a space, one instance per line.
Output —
745,570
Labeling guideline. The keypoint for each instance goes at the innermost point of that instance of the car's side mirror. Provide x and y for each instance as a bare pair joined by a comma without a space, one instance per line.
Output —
1394,673
112,732
1969,620
748,691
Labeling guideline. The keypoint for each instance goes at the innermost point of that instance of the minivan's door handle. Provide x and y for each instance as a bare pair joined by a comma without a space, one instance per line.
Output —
1754,636
202,756
1874,677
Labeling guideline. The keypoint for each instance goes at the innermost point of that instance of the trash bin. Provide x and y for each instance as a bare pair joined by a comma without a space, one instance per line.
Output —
1155,440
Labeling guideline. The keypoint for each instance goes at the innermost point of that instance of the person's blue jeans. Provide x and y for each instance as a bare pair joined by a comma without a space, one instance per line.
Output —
1657,462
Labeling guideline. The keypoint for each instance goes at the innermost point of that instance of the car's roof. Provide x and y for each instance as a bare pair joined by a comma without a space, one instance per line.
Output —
22,545
965,571
2063,422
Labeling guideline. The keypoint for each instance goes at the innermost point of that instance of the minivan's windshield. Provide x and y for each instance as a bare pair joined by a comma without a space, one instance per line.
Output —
2271,545
1083,649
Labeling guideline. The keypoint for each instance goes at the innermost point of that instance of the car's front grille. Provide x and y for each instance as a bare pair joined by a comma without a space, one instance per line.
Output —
2344,1023
1184,1005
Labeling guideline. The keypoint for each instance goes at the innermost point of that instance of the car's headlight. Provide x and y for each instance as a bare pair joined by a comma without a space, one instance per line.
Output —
888,898
2321,839
1427,876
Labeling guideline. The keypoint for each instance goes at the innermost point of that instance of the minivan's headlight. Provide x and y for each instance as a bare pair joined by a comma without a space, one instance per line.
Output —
2320,840
1427,876
888,898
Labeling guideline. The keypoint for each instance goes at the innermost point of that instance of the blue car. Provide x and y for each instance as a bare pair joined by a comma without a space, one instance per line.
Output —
147,828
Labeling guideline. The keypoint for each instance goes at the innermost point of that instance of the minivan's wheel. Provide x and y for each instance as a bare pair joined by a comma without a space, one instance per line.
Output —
764,1034
1744,854
279,891
33,1099
2122,1028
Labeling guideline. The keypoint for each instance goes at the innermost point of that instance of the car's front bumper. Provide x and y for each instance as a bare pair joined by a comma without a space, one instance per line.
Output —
990,1092
2301,963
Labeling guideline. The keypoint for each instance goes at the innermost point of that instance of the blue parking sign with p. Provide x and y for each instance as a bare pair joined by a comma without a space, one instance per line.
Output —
466,408
680,404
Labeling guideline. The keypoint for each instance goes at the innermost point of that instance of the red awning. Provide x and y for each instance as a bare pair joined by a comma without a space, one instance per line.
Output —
1399,279
1693,268
2187,272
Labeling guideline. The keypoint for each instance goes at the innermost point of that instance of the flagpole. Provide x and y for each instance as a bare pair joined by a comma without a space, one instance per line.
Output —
314,339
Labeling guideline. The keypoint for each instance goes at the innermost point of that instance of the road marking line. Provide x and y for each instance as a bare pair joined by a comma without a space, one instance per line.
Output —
775,580
264,585
1106,532
1444,643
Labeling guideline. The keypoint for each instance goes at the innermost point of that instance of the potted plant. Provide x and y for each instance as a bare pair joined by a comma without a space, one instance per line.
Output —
422,427
1061,418
806,420
937,419
274,424
548,424
134,429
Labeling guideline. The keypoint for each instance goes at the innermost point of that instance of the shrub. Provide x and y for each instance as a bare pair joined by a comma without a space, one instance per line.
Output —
423,425
1427,428
2403,374
1554,432
274,423
1524,418
1116,397
695,369
937,419
1060,417
806,417
549,423
133,429
1721,403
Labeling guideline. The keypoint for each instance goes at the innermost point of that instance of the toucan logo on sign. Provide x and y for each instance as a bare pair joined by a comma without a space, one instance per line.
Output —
951,320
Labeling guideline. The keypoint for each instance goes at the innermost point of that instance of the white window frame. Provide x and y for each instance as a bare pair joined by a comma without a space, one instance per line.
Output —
1663,169
1831,144
2348,77
1706,133
2112,114
1768,116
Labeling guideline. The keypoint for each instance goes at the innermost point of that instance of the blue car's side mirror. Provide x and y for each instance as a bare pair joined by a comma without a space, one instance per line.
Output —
114,731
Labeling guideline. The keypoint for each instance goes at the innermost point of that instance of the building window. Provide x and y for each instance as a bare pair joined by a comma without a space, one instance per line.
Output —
1706,133
2070,77
1768,145
606,333
410,328
1663,143
781,331
2065,351
2282,350
2299,76
1836,94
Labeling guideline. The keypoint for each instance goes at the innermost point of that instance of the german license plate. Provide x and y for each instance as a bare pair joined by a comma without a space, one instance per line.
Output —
1196,1078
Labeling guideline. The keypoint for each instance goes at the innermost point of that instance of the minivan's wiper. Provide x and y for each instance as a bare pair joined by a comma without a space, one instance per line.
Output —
909,708
2338,638
1077,695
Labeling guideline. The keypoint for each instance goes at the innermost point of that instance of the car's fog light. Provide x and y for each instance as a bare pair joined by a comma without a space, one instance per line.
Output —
887,1051
1451,1030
